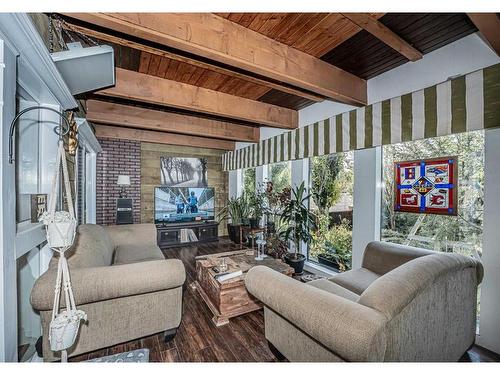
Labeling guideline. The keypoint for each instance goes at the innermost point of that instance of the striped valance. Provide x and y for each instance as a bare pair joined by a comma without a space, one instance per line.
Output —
466,103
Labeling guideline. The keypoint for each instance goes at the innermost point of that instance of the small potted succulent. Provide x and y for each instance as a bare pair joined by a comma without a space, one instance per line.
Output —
301,223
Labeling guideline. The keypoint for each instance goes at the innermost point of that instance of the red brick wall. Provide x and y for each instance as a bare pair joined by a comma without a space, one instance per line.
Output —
117,157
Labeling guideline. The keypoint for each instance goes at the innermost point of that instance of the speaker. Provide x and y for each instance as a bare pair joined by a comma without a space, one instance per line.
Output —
86,69
124,211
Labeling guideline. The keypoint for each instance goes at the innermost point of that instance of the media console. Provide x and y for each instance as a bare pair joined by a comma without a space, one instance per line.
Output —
177,234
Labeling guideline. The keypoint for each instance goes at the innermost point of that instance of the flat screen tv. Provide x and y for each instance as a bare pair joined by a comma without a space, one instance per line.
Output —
183,204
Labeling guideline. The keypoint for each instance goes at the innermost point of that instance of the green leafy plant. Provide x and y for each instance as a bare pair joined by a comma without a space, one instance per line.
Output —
333,243
300,220
236,210
256,204
274,201
276,245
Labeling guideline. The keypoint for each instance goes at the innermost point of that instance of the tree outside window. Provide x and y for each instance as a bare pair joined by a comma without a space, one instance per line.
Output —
280,175
332,178
249,181
461,233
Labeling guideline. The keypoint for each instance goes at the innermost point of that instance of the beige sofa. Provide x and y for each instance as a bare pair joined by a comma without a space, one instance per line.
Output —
403,304
122,281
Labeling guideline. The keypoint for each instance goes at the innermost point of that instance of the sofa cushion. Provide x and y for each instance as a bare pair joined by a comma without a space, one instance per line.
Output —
125,254
383,257
92,248
128,234
331,287
391,293
355,280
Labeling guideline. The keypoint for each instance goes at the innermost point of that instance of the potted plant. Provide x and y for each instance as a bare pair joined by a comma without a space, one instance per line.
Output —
235,210
276,242
301,222
336,258
273,203
332,245
255,208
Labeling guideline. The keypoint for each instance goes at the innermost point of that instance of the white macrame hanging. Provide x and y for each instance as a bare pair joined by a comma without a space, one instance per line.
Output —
61,229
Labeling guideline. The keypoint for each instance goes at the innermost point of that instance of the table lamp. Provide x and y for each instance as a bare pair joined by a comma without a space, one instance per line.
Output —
123,181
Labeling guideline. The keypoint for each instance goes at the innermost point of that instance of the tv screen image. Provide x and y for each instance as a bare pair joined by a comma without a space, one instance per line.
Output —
178,204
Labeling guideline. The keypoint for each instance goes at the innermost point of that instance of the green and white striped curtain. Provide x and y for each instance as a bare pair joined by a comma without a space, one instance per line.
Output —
466,103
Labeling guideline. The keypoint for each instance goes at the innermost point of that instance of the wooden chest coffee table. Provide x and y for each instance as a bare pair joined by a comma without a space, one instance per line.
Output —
230,298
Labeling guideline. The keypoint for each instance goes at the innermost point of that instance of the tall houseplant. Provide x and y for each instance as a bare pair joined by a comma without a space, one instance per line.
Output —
255,208
301,223
236,210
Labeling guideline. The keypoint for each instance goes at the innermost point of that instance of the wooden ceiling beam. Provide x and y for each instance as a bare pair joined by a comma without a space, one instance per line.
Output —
489,25
215,38
117,132
200,64
159,91
143,118
384,34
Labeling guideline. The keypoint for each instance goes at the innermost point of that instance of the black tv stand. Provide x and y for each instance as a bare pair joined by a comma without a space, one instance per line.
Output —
179,234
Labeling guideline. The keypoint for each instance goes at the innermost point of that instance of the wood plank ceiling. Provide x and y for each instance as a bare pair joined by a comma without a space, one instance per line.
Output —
357,46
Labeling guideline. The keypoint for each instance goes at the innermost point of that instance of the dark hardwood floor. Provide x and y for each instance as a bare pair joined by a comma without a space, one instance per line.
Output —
198,340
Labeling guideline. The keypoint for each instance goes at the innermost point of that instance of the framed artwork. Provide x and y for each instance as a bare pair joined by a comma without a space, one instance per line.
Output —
183,172
426,186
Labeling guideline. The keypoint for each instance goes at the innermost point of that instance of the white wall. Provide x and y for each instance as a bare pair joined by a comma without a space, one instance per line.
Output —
460,57
489,324
235,183
321,111
8,288
366,201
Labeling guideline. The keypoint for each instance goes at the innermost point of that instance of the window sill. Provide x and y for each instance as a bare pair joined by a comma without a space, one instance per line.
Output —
318,269
28,236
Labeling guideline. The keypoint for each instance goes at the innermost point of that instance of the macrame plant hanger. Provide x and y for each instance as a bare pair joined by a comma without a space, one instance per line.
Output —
61,229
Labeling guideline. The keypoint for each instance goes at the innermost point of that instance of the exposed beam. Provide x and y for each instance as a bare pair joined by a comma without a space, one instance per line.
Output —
149,89
143,118
489,25
386,35
116,132
200,64
215,38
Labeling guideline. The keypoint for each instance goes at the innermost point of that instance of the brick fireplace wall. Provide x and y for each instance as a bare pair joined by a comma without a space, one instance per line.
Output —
117,157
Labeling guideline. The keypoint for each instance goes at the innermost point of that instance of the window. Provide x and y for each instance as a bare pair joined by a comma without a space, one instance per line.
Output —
461,233
332,182
280,175
249,181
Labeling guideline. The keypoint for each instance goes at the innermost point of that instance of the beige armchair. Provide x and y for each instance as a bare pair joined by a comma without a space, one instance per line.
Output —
122,281
403,304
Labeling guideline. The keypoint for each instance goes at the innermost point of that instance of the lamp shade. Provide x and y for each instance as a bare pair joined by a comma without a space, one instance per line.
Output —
123,180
